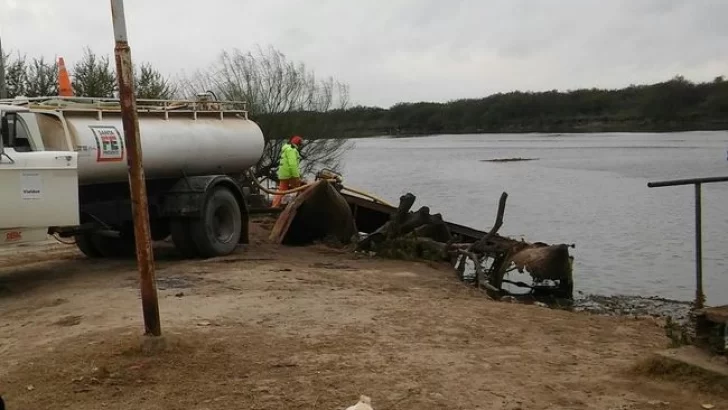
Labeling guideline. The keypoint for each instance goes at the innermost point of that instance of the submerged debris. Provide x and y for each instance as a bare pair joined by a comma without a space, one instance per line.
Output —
323,213
518,159
420,235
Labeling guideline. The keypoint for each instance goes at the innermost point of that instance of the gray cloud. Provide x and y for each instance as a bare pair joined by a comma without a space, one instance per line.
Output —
403,50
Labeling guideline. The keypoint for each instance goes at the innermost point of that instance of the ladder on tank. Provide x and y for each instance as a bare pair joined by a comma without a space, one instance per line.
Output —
202,106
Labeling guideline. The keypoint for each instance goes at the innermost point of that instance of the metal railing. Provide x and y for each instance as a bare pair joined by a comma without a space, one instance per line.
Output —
148,105
698,182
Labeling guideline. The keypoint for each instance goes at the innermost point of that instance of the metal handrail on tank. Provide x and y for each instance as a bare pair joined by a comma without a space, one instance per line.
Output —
102,105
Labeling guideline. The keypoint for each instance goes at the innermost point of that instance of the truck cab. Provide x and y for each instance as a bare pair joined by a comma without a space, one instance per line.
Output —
38,188
65,172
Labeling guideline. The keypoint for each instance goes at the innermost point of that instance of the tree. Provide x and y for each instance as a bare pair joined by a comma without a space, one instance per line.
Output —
42,78
30,79
93,76
151,84
280,96
3,89
16,75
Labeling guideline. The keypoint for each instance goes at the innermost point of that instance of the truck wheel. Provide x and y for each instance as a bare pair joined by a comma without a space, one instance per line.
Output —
159,229
86,245
123,247
217,232
182,238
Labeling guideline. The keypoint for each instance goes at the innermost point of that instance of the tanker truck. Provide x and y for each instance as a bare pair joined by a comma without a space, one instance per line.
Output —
193,152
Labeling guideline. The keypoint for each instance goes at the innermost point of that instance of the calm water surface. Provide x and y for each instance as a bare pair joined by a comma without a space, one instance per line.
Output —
587,189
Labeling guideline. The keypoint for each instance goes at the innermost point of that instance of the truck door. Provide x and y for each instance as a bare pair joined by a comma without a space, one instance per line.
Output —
38,189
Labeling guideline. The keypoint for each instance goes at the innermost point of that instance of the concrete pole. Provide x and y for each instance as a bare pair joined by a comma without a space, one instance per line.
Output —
3,86
140,210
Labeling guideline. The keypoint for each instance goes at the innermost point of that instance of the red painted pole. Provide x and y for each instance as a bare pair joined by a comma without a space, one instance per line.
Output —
138,189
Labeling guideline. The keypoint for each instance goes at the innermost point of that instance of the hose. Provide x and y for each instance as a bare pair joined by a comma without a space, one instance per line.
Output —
301,188
55,236
370,196
272,192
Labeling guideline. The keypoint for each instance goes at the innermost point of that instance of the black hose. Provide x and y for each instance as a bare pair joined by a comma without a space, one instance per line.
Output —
213,94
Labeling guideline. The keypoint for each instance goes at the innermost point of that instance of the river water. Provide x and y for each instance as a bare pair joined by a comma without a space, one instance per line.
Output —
586,189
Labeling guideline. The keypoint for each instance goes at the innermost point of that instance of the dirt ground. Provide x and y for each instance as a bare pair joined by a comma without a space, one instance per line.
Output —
293,328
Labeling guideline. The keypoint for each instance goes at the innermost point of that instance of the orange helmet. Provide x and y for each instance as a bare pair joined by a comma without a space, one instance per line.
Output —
296,140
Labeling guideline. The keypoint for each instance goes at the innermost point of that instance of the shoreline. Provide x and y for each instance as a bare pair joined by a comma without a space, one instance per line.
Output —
545,133
592,303
548,132
272,327
633,306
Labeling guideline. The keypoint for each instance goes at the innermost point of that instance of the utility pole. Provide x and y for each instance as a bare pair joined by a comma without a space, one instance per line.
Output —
3,86
138,189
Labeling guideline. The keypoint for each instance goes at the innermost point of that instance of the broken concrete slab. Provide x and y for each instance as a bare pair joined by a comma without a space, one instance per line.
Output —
699,360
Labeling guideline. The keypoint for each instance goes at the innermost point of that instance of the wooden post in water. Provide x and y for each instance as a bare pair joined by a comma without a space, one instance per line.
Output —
138,189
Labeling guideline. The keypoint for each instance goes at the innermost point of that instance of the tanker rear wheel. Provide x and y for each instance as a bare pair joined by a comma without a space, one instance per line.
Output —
85,244
123,247
96,246
217,232
182,237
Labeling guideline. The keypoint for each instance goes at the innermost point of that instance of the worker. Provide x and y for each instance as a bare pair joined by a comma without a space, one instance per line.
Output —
289,175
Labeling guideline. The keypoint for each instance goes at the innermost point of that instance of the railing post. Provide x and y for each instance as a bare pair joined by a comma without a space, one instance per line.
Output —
697,182
699,295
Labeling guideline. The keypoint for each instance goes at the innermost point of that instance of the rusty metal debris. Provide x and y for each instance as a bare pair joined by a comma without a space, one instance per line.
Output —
316,213
325,211
421,235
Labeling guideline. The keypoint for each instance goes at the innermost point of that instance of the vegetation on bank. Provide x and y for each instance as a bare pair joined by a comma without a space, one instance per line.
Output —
286,98
674,105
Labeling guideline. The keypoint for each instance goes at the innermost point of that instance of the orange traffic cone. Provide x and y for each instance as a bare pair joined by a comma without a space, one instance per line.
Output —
64,82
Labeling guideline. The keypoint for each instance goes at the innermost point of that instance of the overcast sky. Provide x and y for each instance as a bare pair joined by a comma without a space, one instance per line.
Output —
402,50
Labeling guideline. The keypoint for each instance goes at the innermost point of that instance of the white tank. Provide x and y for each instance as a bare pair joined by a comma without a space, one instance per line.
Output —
170,148
178,137
174,144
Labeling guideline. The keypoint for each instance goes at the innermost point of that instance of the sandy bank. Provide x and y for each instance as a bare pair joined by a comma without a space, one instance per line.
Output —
280,328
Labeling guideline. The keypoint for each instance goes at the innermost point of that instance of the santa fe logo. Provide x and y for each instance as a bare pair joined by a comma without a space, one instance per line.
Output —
109,144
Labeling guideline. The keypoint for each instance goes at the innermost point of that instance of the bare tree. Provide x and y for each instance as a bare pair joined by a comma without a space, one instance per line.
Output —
281,97
93,76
